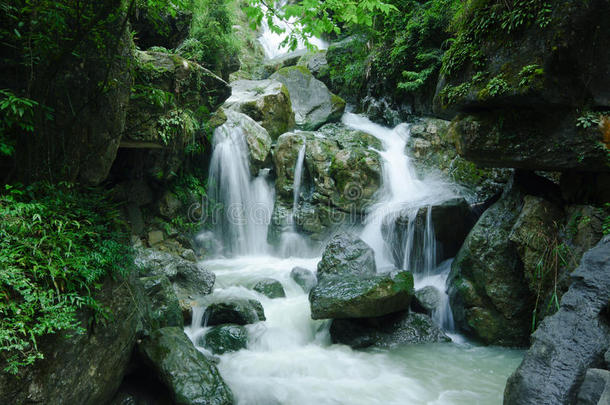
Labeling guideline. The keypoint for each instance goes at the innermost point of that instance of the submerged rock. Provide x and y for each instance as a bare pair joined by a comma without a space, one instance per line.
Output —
238,311
191,378
270,288
388,331
313,104
306,279
347,255
266,102
226,338
360,296
569,342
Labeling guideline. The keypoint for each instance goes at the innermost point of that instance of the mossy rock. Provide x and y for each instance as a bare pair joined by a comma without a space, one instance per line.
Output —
270,288
226,338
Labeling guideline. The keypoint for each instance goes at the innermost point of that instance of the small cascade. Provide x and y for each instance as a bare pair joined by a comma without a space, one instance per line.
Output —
293,244
247,203
442,315
272,42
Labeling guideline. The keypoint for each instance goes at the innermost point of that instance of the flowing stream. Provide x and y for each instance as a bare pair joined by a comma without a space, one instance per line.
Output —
289,358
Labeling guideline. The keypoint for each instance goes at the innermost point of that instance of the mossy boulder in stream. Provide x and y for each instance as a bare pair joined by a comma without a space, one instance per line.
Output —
185,371
306,279
226,338
360,296
347,255
237,311
270,288
312,102
265,101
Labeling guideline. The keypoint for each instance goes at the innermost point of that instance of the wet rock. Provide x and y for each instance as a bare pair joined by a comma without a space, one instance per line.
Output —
346,254
165,308
426,299
595,384
189,255
389,331
188,278
238,311
190,377
226,338
270,288
433,152
487,288
313,104
344,295
257,139
266,102
317,64
306,279
569,342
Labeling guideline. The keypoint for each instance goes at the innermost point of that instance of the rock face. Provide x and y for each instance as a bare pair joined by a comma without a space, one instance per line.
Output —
451,221
265,101
257,138
312,102
270,288
522,97
433,152
392,330
569,342
595,388
82,369
239,312
317,64
226,338
191,378
487,289
347,254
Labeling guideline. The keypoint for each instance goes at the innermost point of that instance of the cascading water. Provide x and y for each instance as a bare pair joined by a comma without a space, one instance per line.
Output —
272,41
289,358
247,202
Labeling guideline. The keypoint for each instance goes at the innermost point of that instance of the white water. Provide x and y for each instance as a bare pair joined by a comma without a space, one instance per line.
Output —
289,359
272,42
248,202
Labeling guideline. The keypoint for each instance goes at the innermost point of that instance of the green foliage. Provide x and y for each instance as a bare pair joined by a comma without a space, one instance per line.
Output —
57,245
495,87
16,116
529,74
403,281
606,221
590,119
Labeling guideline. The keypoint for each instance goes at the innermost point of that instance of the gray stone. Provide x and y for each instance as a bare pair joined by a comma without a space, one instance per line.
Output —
386,332
155,237
165,308
186,372
226,338
270,288
593,386
313,104
426,299
566,344
237,311
306,279
347,254
360,296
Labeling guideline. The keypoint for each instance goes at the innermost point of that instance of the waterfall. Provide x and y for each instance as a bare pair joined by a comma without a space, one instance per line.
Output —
247,203
272,42
293,244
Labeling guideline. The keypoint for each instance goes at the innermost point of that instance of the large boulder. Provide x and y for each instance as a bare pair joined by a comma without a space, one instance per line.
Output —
569,342
265,101
389,331
270,288
306,279
82,368
450,220
237,311
347,255
433,152
360,296
226,338
257,138
426,300
185,371
164,306
313,104
317,64
595,388
487,288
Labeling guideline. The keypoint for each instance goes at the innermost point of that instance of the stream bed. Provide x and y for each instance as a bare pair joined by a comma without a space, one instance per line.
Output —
290,359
